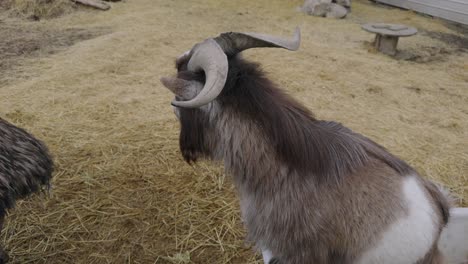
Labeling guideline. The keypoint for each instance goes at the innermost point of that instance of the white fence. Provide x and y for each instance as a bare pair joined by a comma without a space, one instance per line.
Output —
453,10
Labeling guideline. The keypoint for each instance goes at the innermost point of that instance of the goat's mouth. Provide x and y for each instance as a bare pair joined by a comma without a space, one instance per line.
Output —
176,99
176,112
183,90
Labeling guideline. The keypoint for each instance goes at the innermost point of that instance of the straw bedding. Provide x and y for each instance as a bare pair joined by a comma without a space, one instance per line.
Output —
121,192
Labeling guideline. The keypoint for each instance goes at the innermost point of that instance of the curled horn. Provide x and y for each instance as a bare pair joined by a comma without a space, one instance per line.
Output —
233,42
211,57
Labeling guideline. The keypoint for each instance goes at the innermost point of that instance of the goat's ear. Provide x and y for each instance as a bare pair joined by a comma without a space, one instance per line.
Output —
182,88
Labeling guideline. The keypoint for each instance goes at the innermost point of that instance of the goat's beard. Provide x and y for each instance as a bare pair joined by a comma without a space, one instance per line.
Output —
193,138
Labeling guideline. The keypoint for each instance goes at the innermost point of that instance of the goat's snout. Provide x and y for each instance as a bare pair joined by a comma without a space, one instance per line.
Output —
182,89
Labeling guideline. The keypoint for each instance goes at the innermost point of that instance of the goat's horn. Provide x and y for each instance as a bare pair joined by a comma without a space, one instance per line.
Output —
209,57
233,42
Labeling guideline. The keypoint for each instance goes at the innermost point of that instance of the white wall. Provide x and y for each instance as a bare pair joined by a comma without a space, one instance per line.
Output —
454,10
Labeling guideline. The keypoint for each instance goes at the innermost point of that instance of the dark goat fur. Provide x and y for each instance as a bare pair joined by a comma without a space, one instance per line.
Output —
25,165
311,191
192,137
327,149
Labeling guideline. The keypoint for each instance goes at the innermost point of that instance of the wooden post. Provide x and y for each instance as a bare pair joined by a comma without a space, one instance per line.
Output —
94,3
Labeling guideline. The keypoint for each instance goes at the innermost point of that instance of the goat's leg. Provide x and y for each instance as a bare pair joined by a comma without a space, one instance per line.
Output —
274,261
269,259
437,257
433,257
267,256
3,255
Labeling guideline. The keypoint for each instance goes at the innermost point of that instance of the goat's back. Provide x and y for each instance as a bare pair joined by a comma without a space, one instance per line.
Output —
372,215
25,164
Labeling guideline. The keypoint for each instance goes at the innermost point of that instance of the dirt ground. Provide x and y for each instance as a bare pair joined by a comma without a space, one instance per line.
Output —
88,84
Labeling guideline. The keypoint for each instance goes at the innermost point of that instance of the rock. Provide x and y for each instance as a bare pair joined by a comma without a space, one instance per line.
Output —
325,8
344,3
310,7
336,11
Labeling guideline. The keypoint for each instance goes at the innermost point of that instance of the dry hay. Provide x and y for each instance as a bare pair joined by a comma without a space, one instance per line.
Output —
121,192
31,40
39,9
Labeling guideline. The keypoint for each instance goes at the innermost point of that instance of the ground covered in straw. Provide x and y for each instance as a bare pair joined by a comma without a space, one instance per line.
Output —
89,87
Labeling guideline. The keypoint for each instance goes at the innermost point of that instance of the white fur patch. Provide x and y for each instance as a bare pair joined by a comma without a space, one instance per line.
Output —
267,256
411,237
184,54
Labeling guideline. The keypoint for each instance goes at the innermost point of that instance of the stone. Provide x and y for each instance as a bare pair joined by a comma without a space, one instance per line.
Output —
386,38
324,8
336,11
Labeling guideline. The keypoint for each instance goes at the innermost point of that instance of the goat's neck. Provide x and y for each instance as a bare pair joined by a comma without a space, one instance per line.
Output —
246,154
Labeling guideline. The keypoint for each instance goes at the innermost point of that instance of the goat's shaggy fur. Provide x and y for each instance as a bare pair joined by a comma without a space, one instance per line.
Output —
311,191
326,149
25,166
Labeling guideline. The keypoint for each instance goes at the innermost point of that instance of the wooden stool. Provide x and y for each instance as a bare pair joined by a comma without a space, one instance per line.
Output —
386,38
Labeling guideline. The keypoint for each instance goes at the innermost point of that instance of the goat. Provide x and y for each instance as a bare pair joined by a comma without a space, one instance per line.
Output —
25,166
311,191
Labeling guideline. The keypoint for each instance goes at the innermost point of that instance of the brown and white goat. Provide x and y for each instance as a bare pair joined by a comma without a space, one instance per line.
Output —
25,166
311,191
